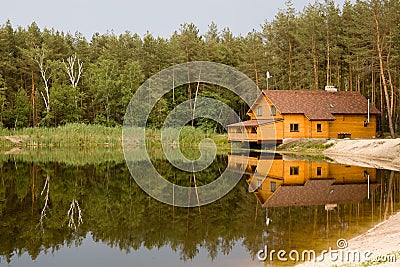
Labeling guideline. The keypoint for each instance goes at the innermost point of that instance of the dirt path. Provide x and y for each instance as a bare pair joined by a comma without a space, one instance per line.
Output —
15,139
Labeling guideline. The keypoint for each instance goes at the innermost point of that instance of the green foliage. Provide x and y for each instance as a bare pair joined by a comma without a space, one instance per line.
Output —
111,87
65,105
306,146
22,110
323,44
158,114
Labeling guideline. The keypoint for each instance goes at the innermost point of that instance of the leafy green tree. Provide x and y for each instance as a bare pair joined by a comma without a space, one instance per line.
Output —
212,44
253,61
158,114
190,42
311,47
65,107
280,36
105,89
151,61
21,112
131,78
230,50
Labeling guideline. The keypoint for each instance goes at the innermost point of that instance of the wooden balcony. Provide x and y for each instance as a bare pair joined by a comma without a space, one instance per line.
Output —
249,137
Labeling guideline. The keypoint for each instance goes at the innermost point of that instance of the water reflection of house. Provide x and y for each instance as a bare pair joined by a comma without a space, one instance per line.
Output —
278,181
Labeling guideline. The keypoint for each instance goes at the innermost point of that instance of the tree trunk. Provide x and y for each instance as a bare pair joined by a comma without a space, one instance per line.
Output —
382,105
188,81
328,63
373,85
173,83
255,70
74,75
43,72
389,195
315,62
382,73
290,64
195,97
33,101
350,77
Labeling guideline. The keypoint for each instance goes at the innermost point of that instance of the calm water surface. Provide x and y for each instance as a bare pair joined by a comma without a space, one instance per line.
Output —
85,209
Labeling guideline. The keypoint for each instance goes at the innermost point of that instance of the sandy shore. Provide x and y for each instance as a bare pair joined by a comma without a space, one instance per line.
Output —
375,153
384,238
377,243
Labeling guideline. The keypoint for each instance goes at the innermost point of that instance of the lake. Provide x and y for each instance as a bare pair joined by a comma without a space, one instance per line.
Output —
83,208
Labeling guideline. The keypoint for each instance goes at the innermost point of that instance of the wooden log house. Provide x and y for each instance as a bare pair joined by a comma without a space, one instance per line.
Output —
279,115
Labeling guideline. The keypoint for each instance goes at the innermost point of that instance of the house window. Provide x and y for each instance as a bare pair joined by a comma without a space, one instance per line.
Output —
259,111
273,111
319,127
294,170
273,186
253,129
294,127
259,183
319,171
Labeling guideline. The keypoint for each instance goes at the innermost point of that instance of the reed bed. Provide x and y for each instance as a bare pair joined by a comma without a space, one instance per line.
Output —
87,135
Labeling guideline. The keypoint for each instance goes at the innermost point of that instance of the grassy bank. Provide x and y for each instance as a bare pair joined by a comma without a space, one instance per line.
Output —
73,156
82,135
313,146
67,135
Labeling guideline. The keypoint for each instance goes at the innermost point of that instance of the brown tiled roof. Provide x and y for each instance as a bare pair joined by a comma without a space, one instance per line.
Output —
253,123
318,192
319,105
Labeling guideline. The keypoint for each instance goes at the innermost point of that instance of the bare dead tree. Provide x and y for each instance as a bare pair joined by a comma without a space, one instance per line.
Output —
74,71
39,58
195,97
43,214
74,209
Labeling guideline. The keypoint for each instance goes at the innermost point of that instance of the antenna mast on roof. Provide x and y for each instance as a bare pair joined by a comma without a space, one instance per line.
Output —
268,76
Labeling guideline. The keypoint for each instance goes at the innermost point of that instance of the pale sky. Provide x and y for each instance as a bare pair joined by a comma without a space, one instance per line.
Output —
158,17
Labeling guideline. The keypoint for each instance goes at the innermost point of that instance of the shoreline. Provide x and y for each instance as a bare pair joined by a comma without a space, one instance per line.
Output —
375,153
381,243
383,240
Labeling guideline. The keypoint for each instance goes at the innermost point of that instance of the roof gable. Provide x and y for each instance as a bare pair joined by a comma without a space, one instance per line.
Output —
319,105
318,192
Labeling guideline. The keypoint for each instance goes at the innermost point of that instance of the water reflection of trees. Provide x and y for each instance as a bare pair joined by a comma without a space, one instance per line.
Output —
116,211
